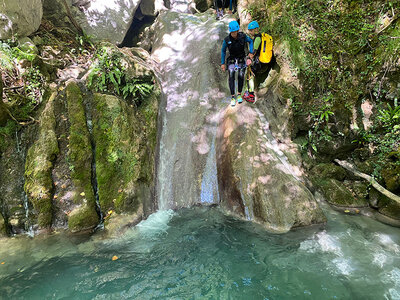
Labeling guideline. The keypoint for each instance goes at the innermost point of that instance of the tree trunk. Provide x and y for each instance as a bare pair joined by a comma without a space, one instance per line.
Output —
348,166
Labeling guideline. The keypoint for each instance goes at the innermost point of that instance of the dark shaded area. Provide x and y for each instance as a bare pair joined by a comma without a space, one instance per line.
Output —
139,23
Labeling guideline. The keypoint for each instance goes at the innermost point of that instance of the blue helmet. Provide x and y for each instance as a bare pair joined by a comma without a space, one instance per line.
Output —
253,25
233,26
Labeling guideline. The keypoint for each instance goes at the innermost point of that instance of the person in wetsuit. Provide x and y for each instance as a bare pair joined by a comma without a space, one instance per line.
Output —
257,68
235,42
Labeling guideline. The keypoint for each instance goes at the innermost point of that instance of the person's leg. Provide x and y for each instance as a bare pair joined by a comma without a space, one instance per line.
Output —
241,73
232,74
231,69
242,70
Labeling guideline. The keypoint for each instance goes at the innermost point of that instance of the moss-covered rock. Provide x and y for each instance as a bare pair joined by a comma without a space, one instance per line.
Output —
39,164
336,193
359,189
391,176
125,149
83,218
385,206
327,170
80,158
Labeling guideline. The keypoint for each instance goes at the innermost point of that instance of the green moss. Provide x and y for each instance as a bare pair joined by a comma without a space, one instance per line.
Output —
39,164
80,156
125,146
326,170
116,150
337,194
391,176
82,218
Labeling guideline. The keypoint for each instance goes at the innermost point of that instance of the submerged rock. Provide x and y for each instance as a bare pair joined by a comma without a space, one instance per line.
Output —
19,18
39,165
256,179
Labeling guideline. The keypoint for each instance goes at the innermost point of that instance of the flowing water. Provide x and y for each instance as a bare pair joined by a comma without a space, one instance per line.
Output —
202,254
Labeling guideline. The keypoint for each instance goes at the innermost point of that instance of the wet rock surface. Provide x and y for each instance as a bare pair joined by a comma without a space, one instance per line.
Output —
257,180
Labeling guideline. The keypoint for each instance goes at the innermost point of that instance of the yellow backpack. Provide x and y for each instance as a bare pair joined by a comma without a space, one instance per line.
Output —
266,48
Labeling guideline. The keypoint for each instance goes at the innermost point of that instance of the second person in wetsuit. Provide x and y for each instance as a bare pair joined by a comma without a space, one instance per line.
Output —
236,44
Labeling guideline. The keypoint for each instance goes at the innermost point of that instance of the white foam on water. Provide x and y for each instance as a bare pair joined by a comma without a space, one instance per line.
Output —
322,242
155,224
393,294
343,265
387,242
380,259
394,277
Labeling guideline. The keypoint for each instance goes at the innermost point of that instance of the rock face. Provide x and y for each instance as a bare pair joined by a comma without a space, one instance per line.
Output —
85,147
39,164
84,215
103,20
20,17
125,153
256,179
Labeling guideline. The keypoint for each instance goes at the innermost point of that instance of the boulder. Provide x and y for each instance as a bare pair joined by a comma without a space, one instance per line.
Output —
328,170
105,20
391,176
20,17
255,178
337,194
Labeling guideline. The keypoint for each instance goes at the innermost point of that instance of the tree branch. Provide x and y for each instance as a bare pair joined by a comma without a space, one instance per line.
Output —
348,166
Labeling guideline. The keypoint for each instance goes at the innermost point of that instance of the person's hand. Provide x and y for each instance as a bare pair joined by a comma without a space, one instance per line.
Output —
223,68
230,12
251,55
248,62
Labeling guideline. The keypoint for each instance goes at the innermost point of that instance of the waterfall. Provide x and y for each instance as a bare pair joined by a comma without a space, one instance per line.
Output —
187,49
210,153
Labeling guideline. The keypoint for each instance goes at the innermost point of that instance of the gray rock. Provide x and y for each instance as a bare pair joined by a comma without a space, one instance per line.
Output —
20,17
106,20
256,179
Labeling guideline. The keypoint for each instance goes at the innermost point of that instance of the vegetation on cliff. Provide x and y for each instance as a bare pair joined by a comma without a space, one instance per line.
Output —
344,62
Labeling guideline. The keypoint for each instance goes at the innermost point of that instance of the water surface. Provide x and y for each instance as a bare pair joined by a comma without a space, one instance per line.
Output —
202,254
